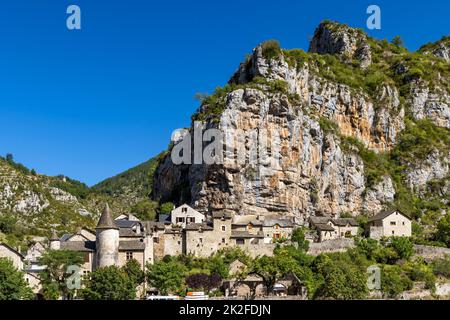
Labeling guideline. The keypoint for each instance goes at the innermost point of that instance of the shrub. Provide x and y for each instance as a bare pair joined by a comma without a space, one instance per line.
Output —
394,281
402,246
441,267
271,49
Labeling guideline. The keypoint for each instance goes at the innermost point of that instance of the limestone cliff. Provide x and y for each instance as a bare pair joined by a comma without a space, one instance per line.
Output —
345,115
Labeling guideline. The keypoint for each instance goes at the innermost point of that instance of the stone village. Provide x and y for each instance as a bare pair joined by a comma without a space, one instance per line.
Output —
189,232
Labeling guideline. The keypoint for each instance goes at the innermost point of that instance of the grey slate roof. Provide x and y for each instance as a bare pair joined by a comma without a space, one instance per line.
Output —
66,237
385,214
342,222
129,233
198,226
324,227
222,215
164,218
131,246
126,223
246,234
153,225
319,220
106,220
282,222
82,246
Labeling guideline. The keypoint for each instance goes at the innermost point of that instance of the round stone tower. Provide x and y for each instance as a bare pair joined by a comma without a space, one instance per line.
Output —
107,240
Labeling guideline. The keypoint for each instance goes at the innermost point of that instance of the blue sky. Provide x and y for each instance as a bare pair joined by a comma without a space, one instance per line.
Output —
94,102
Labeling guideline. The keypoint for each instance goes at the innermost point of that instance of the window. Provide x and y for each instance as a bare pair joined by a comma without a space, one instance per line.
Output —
403,223
191,220
156,240
393,232
200,240
240,242
87,257
180,220
129,255
184,210
224,228
393,223
223,240
277,236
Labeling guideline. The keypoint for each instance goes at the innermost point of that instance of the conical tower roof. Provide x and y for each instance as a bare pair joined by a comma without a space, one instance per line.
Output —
106,221
54,236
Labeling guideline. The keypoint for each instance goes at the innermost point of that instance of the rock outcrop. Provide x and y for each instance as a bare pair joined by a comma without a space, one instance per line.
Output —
312,164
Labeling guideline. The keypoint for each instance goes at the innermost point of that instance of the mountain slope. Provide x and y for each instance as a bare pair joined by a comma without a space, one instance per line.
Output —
32,204
131,186
360,125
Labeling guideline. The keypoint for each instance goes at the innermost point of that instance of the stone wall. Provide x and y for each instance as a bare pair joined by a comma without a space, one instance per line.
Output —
376,232
173,244
336,245
431,253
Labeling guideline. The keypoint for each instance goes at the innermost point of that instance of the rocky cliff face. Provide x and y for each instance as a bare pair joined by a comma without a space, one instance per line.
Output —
330,116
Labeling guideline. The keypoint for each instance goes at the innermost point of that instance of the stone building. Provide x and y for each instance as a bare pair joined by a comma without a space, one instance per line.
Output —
13,255
186,231
329,228
389,223
184,215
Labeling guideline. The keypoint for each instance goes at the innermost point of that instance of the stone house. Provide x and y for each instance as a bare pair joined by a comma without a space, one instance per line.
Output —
389,223
329,228
13,255
184,215
119,240
276,228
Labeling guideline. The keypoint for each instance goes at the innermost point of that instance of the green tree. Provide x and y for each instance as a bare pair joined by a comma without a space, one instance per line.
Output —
272,269
368,247
134,271
12,284
394,281
55,276
145,210
298,236
166,208
167,276
341,279
397,41
109,283
402,246
443,230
